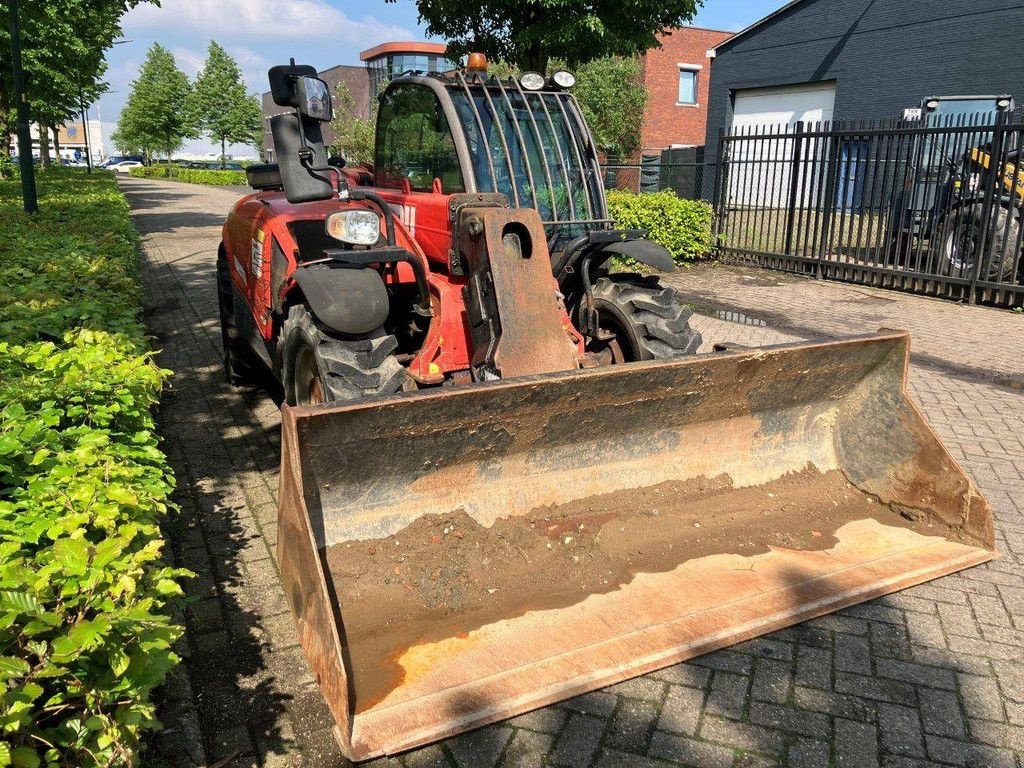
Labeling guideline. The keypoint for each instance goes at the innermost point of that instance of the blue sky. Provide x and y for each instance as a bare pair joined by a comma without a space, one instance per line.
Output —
260,33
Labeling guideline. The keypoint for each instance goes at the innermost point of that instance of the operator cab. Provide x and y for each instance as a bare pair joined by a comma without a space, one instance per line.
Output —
467,131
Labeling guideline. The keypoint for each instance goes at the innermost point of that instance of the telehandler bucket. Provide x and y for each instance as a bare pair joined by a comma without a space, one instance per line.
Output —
461,556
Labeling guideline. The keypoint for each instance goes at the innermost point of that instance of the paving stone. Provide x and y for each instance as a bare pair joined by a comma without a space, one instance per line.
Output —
527,749
680,713
981,697
753,738
631,725
808,753
727,661
481,748
547,720
852,654
941,715
772,680
596,703
969,754
813,667
680,749
790,720
579,741
856,744
900,729
728,695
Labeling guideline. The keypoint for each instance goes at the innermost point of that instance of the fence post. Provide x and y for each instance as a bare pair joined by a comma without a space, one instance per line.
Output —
794,184
995,179
833,146
718,195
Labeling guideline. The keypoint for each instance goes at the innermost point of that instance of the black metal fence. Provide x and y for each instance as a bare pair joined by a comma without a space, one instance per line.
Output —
682,170
935,208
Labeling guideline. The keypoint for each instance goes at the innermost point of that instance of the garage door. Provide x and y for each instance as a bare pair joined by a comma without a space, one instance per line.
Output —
785,105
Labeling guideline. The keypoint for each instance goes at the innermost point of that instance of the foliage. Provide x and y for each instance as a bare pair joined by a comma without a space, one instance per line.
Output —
219,105
191,175
155,116
353,135
683,227
530,32
63,46
84,631
612,96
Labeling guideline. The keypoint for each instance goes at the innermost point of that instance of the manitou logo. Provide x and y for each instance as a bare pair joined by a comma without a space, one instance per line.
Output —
407,215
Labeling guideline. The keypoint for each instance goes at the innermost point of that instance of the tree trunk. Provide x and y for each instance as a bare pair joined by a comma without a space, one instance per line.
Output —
44,144
222,150
56,142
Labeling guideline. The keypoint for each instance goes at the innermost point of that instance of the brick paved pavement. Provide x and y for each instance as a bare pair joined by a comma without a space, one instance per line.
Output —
931,676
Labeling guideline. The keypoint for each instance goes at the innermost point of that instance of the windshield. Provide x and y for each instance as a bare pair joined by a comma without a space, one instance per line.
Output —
528,146
942,148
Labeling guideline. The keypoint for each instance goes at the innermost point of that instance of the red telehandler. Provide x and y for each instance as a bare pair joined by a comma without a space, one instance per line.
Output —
506,477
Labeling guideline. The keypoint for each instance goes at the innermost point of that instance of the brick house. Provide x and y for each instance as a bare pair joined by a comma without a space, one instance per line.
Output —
676,77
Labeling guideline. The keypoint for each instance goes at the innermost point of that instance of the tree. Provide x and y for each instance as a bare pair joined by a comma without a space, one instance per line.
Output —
156,114
612,97
220,106
529,33
63,46
353,135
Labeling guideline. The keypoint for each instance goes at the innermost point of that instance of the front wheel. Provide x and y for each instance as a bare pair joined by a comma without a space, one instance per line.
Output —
640,320
239,363
960,244
320,368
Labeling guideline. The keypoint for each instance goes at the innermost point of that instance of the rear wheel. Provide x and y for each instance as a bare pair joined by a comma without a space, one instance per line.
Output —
239,365
640,320
959,248
320,368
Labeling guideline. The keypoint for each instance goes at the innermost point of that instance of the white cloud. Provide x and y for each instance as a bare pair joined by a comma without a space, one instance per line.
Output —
281,19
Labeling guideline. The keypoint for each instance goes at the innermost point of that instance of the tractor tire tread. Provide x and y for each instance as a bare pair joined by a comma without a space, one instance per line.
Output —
657,311
353,369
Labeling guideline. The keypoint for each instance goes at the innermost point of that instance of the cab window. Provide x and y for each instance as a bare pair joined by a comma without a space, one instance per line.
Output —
414,142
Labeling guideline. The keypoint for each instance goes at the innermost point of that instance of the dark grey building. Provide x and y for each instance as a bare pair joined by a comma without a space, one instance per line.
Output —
863,59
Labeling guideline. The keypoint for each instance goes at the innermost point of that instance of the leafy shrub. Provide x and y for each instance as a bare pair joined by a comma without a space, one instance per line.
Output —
84,631
191,175
218,178
161,171
683,227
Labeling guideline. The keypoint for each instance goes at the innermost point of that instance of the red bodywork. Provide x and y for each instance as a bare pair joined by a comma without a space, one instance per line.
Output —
422,227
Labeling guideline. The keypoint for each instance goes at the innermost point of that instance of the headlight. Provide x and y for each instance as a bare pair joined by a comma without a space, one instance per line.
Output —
563,79
531,81
356,227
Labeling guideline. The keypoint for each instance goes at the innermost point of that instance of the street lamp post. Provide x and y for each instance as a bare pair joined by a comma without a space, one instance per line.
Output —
28,179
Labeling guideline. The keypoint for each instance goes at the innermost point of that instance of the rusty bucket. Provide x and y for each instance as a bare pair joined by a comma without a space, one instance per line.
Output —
464,555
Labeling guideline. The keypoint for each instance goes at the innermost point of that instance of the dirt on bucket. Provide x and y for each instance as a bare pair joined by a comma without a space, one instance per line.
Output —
445,575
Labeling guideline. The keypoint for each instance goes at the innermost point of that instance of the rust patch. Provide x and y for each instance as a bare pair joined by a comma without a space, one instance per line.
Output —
445,575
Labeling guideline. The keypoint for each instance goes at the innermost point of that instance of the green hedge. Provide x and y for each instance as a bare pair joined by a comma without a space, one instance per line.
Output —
191,175
682,226
84,629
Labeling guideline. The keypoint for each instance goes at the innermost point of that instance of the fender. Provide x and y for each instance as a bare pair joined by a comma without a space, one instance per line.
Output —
599,246
645,251
348,300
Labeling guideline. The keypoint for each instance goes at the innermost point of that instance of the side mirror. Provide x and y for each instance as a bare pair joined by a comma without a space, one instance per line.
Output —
314,98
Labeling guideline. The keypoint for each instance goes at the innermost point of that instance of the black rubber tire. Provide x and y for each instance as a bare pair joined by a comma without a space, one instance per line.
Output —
650,321
968,223
347,370
239,361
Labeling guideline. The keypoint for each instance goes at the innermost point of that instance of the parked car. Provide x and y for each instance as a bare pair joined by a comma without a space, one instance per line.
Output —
115,159
124,166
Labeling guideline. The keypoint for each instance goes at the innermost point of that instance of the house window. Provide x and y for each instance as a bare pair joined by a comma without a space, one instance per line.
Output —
687,84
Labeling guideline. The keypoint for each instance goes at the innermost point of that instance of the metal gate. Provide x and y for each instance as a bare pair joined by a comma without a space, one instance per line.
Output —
932,208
